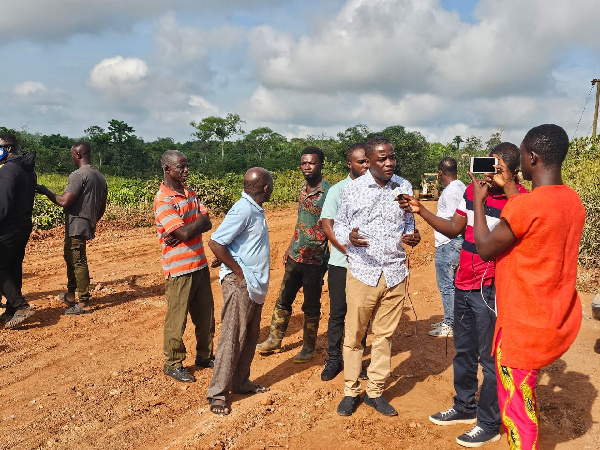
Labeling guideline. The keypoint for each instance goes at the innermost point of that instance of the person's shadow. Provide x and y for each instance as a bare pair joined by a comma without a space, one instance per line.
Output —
564,404
47,315
416,368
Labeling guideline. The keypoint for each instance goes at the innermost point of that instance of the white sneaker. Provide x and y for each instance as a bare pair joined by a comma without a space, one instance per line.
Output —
437,324
442,331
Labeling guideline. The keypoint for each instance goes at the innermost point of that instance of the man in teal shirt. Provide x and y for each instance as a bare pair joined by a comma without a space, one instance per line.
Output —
358,164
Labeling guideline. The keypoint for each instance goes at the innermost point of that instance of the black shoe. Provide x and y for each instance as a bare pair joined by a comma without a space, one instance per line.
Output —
452,416
180,374
332,368
381,405
363,374
348,405
205,363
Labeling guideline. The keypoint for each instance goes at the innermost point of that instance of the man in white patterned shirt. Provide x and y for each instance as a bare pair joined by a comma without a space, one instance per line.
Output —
373,226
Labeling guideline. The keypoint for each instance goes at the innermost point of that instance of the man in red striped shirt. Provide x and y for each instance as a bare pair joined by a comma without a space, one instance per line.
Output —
180,221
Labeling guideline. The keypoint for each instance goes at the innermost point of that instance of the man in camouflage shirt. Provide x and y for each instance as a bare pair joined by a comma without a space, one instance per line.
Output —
305,261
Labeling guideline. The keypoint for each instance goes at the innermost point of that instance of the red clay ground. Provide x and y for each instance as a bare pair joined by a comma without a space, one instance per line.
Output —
95,381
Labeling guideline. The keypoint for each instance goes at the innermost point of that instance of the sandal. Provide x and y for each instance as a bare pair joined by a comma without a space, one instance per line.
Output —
219,410
63,298
76,310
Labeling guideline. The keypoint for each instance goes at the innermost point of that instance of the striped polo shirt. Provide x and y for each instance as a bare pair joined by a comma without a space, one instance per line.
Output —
472,269
171,211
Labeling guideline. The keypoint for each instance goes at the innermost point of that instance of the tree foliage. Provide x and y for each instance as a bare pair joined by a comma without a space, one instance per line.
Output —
220,128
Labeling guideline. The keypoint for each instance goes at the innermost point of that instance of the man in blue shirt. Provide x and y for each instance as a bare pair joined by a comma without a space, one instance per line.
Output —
241,243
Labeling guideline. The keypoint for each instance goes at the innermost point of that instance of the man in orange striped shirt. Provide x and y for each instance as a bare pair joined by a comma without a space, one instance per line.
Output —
180,221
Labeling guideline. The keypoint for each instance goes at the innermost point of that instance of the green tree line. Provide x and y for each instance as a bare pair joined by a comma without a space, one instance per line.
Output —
223,150
221,145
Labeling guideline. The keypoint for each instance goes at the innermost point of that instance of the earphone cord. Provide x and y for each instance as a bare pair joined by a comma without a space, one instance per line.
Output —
412,305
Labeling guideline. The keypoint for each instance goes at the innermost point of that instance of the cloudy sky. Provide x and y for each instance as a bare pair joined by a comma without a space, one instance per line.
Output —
442,67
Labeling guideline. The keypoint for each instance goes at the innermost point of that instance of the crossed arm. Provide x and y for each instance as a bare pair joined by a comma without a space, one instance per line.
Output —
193,229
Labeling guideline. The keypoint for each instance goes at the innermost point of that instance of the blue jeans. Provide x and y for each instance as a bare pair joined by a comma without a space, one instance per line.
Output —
446,263
474,322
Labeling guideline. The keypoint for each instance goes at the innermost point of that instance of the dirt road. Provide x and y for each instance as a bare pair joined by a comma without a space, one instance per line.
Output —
95,381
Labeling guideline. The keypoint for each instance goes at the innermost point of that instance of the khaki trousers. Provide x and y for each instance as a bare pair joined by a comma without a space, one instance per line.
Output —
190,292
78,274
383,306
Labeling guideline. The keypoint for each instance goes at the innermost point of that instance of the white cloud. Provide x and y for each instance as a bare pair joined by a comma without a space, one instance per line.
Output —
28,87
29,19
410,62
301,69
203,106
118,74
36,94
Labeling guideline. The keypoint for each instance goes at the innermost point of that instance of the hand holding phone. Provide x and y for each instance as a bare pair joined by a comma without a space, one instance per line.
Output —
483,164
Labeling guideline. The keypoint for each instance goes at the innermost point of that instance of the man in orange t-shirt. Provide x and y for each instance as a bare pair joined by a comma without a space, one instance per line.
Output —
536,245
181,218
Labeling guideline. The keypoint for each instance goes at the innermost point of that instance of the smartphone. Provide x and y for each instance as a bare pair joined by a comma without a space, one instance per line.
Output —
483,164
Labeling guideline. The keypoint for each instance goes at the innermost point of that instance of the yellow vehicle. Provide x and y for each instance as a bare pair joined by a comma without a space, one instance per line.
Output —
429,187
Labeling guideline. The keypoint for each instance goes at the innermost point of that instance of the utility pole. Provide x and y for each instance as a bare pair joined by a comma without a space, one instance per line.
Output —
596,82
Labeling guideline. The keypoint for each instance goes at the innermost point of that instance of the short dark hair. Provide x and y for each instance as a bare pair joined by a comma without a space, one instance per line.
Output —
375,141
510,153
550,142
85,147
169,157
448,166
11,139
353,148
312,150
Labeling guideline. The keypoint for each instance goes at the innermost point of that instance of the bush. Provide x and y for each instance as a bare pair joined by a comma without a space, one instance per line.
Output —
131,199
581,171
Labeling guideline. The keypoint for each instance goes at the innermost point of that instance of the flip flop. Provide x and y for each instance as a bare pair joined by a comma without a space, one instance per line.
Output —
219,410
76,310
63,298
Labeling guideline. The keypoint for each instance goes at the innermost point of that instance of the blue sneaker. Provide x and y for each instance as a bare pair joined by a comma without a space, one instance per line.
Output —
452,416
477,437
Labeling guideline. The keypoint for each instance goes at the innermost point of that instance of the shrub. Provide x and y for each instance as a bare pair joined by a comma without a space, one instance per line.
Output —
581,171
131,199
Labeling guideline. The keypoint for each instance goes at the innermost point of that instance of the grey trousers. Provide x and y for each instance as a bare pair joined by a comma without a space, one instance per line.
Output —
240,327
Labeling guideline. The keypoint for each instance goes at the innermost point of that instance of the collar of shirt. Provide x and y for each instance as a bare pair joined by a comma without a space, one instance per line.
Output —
318,190
171,193
252,202
372,182
502,195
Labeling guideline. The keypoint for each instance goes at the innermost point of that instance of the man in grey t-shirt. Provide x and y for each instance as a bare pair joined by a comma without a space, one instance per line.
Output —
84,201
